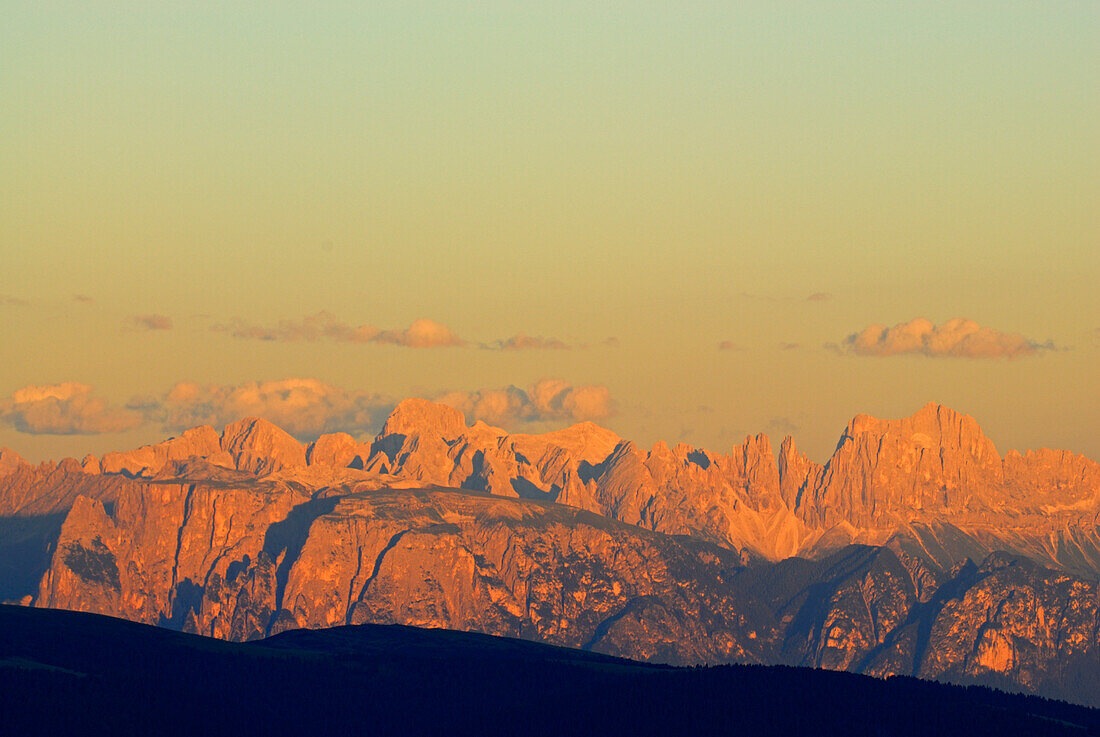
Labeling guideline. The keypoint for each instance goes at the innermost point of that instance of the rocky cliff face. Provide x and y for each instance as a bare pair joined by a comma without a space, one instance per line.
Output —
580,538
242,563
934,466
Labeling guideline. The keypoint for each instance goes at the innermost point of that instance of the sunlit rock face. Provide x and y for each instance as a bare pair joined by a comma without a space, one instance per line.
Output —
580,538
243,563
339,450
260,447
10,461
933,467
148,460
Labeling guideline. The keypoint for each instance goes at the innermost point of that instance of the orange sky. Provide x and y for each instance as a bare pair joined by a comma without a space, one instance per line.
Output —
686,221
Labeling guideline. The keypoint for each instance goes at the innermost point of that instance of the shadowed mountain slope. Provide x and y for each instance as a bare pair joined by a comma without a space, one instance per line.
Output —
72,673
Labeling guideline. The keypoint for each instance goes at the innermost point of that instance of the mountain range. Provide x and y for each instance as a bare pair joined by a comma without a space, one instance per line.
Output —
916,549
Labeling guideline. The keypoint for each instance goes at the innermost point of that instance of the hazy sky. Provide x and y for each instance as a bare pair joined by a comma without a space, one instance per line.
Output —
183,185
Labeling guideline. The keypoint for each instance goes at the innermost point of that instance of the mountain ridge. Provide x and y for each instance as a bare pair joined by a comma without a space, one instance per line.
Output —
883,474
904,544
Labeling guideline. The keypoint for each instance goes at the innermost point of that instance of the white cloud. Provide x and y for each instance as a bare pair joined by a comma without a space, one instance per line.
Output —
958,338
64,409
422,333
305,408
546,400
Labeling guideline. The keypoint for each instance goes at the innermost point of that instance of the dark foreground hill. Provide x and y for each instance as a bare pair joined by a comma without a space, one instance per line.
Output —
71,673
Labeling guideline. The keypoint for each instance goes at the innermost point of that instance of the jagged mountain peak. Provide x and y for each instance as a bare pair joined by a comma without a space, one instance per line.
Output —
335,449
10,461
260,446
148,460
584,441
932,421
90,465
418,416
247,427
483,428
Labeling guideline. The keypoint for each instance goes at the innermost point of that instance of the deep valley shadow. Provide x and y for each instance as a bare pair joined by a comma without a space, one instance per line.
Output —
26,549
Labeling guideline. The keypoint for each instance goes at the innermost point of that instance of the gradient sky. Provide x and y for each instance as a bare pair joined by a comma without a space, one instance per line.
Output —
674,175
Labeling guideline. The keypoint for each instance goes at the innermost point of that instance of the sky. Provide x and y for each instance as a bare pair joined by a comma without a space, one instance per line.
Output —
684,221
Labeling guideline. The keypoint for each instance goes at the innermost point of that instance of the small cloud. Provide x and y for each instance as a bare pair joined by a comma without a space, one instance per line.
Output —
729,345
958,338
789,346
781,426
83,299
735,434
310,328
521,342
8,301
64,409
422,333
756,297
819,297
152,322
611,342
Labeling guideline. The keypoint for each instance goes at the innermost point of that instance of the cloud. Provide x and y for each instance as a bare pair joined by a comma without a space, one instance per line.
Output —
781,425
423,333
9,301
310,328
613,342
544,401
152,322
758,297
729,345
521,342
305,408
819,297
958,338
64,409
83,299
789,346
